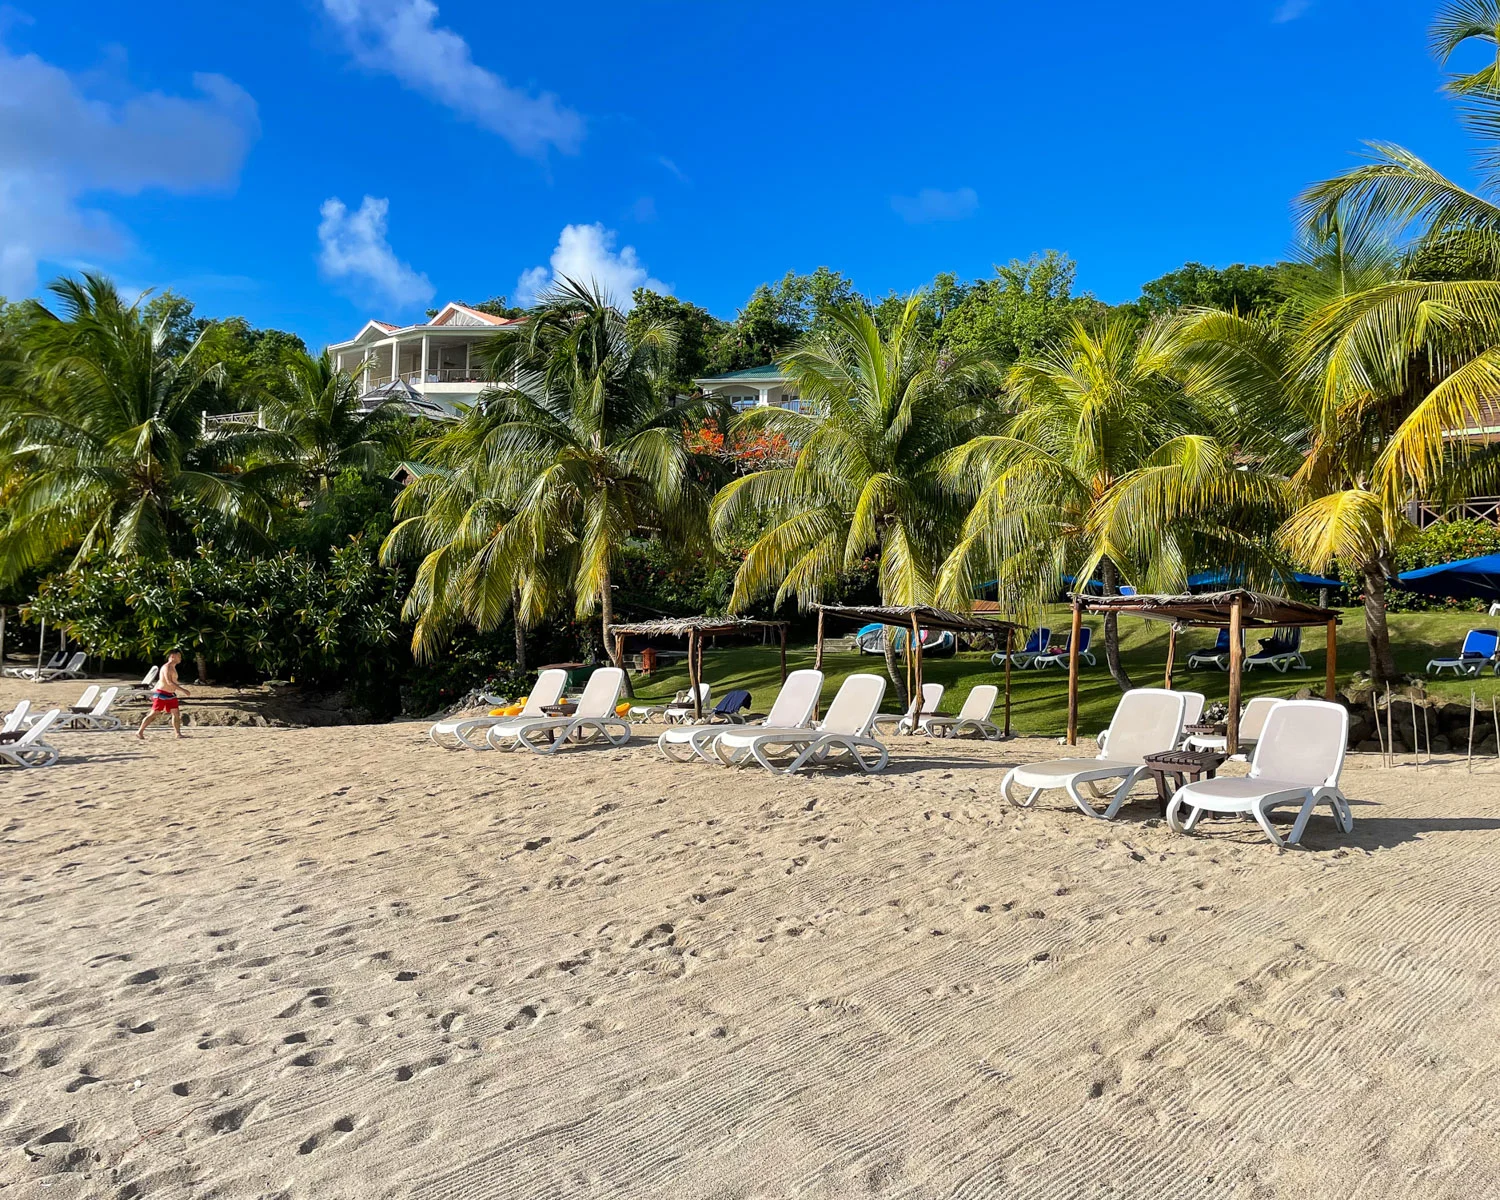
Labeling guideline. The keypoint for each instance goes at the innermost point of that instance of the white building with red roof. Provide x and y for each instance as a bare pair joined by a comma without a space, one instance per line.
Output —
434,367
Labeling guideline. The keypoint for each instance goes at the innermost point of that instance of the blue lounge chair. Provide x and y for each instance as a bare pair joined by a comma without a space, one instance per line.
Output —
1057,656
1035,645
1480,646
1218,656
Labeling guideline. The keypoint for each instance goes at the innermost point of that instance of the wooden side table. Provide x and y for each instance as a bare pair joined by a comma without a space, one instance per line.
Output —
1181,767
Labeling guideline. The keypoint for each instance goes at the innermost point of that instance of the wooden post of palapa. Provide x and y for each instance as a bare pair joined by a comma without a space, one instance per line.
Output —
1010,634
1171,656
783,654
697,675
916,696
818,657
1077,632
1330,689
692,671
1236,667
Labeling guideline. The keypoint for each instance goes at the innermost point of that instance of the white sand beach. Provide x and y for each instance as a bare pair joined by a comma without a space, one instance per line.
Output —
343,962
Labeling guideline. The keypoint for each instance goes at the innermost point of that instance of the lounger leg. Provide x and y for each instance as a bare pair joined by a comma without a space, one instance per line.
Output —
1122,793
1263,819
1174,821
1084,805
461,734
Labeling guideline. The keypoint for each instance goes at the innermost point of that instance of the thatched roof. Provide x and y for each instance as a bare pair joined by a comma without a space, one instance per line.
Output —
1211,609
926,616
680,626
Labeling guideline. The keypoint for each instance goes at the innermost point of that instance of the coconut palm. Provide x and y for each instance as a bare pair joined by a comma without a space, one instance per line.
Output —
107,433
317,408
879,412
558,468
1112,464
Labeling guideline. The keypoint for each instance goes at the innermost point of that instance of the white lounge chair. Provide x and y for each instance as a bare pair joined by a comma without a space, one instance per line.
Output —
1480,649
679,713
72,669
547,690
1192,712
1297,761
16,717
1282,650
1216,657
652,712
97,718
59,659
845,729
793,708
1058,656
1252,722
973,717
1146,721
932,697
29,750
593,719
1040,638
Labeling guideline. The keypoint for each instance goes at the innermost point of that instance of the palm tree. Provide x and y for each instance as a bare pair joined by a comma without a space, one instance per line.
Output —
318,410
107,432
1111,464
558,468
879,413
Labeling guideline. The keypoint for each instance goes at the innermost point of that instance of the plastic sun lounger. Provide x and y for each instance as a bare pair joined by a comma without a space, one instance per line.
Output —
1481,647
96,719
72,669
973,717
680,714
1282,650
1192,712
1146,721
1297,760
1059,657
548,689
845,730
16,717
29,750
1252,722
932,696
1035,644
793,708
594,719
1217,657
58,660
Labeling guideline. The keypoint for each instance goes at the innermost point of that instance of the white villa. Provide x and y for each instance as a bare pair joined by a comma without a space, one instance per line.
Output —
758,387
431,366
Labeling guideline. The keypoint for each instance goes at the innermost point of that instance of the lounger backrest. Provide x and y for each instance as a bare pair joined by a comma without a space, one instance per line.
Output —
547,690
1480,643
1146,721
104,702
1221,643
150,677
704,690
1192,707
76,662
601,693
16,715
1038,641
90,694
853,709
1253,718
932,696
794,704
1303,743
979,703
38,728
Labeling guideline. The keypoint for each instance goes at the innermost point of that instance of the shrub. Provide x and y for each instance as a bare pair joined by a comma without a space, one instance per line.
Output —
1445,541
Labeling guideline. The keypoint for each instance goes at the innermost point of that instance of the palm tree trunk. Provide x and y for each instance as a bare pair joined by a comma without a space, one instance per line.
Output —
606,619
898,677
1377,632
1111,579
515,610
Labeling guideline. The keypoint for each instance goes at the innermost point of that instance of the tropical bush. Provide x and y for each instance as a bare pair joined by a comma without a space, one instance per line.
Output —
1443,542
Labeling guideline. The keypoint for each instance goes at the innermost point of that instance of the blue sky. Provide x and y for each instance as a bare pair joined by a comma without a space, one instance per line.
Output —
228,150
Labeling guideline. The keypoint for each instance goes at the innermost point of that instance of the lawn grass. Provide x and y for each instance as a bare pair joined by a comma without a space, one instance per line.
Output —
1040,698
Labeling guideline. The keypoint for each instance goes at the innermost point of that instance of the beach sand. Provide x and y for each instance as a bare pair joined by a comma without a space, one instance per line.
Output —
343,962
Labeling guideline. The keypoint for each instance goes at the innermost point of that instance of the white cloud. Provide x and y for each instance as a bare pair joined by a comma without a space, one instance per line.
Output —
402,38
57,143
1290,10
930,204
354,250
587,255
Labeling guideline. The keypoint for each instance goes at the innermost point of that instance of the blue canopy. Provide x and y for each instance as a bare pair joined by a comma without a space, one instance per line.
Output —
1221,578
1469,578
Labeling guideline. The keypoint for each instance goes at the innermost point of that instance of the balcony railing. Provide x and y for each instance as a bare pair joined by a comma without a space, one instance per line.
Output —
1476,508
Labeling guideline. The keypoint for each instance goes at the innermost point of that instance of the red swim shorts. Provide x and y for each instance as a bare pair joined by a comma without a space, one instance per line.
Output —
164,702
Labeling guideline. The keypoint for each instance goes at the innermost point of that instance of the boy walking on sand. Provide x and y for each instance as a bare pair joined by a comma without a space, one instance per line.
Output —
164,696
